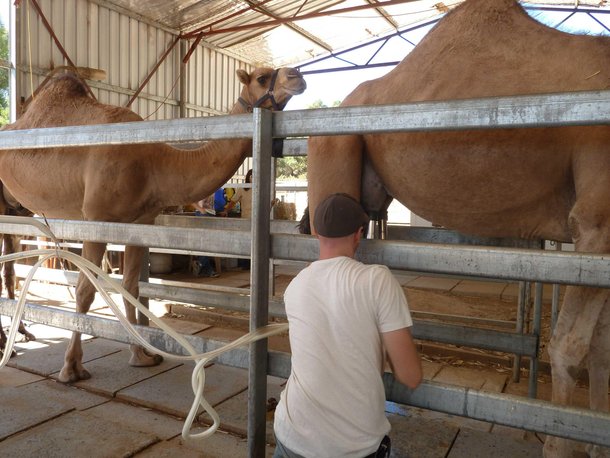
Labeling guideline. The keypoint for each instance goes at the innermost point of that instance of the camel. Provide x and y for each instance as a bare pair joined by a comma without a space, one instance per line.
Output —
551,183
123,183
8,244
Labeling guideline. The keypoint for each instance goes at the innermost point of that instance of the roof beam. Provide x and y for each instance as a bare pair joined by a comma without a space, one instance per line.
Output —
304,33
383,13
208,30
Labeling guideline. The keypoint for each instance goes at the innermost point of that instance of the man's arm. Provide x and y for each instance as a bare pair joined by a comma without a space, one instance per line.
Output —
403,357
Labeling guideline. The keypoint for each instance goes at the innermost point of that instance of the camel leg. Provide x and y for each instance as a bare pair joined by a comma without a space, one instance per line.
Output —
599,371
131,276
73,369
334,164
9,281
568,350
577,332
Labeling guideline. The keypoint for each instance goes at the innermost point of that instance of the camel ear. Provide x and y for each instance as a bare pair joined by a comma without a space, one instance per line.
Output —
243,76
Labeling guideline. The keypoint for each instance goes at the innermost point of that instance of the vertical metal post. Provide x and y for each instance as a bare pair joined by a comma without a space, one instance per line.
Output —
524,292
272,194
144,277
259,279
555,299
182,70
13,50
537,319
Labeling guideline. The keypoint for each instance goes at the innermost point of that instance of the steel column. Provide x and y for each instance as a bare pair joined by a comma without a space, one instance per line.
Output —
260,254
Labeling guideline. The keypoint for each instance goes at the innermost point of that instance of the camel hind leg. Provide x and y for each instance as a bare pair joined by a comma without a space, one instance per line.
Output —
9,280
131,277
582,330
599,371
8,274
73,369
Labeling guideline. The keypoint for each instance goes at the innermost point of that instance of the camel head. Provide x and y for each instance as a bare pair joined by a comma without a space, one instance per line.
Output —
269,88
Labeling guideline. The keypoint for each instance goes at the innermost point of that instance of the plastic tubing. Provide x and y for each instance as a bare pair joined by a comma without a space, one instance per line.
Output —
99,278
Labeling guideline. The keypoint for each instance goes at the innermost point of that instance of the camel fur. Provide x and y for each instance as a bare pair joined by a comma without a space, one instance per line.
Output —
9,245
551,183
122,183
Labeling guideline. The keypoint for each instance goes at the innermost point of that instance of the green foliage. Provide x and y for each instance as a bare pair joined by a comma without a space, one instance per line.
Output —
296,167
4,77
291,167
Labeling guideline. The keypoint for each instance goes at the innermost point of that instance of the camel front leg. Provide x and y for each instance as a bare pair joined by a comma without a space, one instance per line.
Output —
568,350
334,164
131,277
73,369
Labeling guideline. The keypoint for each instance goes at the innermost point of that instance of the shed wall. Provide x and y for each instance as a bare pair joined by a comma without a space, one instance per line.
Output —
127,49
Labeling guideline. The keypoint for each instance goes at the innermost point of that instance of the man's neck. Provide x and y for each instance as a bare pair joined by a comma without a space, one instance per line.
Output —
337,247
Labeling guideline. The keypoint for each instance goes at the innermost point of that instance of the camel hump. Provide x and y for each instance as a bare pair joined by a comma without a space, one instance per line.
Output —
64,85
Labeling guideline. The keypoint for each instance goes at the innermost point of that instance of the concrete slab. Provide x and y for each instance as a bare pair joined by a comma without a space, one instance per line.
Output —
436,283
138,418
462,376
171,392
78,434
580,397
225,334
479,288
187,327
471,443
413,436
28,405
112,373
219,445
234,412
45,356
423,414
404,278
515,433
495,382
430,369
10,377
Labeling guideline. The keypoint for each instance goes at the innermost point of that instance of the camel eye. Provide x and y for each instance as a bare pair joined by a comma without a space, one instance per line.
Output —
262,80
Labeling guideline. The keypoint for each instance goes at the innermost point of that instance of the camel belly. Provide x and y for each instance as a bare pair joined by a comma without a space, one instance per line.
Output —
480,182
31,177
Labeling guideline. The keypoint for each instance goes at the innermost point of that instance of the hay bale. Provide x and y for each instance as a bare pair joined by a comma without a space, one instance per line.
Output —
285,210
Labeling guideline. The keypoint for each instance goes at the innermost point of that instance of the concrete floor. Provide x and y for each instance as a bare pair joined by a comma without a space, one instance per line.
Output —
125,411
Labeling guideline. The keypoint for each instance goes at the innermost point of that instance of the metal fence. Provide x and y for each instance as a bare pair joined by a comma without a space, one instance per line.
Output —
586,108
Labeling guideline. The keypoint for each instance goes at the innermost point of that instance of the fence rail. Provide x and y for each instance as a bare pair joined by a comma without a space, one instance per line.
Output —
585,108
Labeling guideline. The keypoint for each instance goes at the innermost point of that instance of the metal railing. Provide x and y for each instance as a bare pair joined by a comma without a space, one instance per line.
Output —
586,108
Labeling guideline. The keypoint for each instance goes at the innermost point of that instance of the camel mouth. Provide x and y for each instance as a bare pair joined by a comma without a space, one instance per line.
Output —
298,90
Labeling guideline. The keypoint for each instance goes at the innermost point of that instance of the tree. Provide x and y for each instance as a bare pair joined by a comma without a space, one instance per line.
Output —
4,77
296,167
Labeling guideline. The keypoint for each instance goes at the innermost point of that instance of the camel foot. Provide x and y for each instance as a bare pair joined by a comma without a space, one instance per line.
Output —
27,336
72,373
141,358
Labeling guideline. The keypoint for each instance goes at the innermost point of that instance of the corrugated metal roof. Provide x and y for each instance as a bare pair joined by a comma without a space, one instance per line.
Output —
283,32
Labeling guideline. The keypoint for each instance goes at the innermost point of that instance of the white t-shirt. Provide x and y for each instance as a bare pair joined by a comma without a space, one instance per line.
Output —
333,403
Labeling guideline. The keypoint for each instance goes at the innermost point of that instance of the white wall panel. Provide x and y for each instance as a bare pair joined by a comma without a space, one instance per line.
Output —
127,49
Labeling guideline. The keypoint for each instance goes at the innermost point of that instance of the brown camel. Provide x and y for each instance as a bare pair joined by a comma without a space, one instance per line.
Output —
551,183
8,244
123,183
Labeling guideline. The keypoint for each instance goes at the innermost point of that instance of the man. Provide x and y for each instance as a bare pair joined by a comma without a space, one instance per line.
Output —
342,315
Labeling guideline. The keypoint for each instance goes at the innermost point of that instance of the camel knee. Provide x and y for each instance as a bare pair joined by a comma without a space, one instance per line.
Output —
85,294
